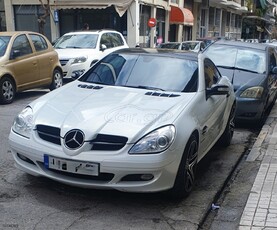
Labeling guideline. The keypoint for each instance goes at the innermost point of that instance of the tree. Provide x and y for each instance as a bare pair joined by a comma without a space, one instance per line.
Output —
42,18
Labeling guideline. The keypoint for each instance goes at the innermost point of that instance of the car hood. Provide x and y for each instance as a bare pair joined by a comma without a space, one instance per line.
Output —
73,53
242,79
110,110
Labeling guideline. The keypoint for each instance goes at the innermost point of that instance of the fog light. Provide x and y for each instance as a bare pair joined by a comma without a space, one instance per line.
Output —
77,73
137,177
26,159
147,177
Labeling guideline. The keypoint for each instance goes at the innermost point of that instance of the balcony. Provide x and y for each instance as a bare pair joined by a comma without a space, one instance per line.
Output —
236,4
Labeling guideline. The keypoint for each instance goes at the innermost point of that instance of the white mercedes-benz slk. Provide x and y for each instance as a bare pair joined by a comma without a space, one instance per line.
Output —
139,121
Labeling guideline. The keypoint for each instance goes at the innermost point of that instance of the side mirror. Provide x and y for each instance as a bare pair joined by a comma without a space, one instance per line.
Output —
217,90
274,70
15,54
103,47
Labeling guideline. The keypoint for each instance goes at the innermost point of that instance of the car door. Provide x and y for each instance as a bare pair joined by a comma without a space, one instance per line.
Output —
45,58
24,63
272,77
212,109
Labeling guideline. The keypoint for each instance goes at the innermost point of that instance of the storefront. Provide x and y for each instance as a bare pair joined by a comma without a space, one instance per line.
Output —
174,21
181,22
219,19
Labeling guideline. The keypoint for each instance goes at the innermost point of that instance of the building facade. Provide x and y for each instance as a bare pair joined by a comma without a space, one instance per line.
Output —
173,20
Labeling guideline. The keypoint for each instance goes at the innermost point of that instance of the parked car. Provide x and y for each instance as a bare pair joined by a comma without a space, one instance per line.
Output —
78,51
195,46
252,69
27,61
138,121
209,40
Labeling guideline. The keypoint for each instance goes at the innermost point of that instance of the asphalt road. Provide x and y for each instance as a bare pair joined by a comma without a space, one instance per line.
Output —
27,202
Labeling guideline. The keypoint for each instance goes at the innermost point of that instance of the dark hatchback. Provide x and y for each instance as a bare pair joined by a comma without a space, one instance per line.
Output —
252,70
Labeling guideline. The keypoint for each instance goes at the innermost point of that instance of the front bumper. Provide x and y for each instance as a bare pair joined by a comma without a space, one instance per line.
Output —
249,109
117,170
73,70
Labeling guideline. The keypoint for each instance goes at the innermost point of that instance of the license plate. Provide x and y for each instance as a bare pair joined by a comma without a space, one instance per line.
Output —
71,166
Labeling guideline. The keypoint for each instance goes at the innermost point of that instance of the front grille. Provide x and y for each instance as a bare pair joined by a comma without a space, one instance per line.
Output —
64,62
49,133
108,142
101,142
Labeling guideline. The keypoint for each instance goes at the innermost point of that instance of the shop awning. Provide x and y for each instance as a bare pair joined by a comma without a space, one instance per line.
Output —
120,5
181,16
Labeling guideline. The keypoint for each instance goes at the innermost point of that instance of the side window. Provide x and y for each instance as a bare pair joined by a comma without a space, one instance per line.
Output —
116,40
22,45
39,42
105,40
202,47
212,75
103,73
272,59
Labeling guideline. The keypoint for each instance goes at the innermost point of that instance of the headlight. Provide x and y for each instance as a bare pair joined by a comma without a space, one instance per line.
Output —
253,92
79,60
156,141
23,123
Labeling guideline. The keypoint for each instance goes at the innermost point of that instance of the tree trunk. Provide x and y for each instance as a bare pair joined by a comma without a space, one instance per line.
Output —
42,18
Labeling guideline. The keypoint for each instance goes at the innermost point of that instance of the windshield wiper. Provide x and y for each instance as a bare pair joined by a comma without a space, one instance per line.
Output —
144,87
74,47
232,67
149,87
225,67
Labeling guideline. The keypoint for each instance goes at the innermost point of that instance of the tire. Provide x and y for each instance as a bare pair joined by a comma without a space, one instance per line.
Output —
185,178
57,81
7,90
226,137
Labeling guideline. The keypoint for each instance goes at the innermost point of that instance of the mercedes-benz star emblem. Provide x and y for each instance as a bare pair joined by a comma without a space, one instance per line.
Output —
74,139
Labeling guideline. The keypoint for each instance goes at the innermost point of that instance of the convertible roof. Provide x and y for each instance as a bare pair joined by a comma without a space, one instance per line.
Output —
161,52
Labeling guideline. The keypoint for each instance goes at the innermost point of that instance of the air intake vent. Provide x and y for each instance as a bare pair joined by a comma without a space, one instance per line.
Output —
156,94
89,86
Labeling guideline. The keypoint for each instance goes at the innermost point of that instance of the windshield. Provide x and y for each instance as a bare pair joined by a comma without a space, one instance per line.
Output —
145,71
4,40
237,57
77,41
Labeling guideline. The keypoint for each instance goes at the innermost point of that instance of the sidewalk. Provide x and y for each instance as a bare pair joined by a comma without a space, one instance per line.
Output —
260,211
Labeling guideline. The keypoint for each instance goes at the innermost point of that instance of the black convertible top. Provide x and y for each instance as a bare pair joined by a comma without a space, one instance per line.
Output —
161,52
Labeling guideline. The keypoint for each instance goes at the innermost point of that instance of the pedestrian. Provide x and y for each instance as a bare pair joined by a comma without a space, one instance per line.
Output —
85,26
